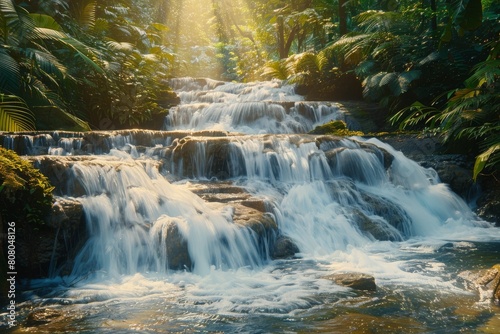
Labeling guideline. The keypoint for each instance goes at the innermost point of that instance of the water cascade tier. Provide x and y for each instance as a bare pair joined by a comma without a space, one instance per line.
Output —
233,213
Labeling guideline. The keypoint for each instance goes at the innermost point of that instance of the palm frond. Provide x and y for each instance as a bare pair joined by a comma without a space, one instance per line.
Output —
415,114
10,76
15,115
46,62
484,73
377,20
365,68
308,62
87,16
492,154
45,21
124,47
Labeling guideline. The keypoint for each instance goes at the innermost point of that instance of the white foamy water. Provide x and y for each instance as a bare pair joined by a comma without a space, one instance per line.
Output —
260,107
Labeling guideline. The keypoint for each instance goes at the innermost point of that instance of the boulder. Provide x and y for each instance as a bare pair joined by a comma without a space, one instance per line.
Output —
284,248
353,280
177,249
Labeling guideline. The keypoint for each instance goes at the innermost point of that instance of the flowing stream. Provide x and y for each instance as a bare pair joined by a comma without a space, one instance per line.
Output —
186,227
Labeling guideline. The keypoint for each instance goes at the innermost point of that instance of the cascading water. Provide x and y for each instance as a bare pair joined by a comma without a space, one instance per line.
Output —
183,225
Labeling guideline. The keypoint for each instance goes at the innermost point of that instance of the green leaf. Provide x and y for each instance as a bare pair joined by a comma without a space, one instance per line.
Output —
160,27
447,33
15,115
471,16
45,21
482,159
10,76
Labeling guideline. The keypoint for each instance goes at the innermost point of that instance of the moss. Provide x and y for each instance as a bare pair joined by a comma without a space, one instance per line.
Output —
25,193
338,128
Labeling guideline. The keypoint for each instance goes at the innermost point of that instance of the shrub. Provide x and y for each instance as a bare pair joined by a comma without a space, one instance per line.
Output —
25,193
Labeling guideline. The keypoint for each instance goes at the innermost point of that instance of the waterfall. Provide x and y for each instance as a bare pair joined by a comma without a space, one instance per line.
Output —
131,210
194,217
269,107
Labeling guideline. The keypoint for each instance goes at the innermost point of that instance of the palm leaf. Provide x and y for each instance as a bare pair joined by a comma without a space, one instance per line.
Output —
365,68
87,15
45,21
45,62
120,46
377,20
10,76
482,159
15,115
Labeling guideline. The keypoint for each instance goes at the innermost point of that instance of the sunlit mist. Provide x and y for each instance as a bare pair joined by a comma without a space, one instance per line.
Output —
203,34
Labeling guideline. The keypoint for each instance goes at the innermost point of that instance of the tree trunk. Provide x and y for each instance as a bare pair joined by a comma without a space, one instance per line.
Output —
342,18
281,37
434,16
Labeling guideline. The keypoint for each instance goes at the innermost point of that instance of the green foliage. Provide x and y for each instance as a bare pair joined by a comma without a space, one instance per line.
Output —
72,62
471,112
15,115
25,193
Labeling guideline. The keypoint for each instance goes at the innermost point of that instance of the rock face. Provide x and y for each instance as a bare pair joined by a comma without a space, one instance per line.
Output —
177,249
356,281
50,250
249,212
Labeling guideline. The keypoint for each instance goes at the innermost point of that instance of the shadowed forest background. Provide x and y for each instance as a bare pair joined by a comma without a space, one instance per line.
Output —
84,64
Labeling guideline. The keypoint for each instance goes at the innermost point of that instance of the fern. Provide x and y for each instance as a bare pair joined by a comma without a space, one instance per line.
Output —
276,70
377,20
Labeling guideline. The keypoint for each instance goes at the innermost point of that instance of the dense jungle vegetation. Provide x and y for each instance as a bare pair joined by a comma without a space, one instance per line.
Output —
93,64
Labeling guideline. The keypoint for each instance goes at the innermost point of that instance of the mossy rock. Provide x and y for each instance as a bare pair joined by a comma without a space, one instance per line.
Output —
337,128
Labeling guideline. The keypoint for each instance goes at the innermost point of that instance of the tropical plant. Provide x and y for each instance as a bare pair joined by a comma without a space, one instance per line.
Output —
25,193
471,112
33,49
15,114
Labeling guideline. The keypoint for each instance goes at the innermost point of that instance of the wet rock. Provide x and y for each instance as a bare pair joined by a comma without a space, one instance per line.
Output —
353,280
51,248
375,228
246,211
58,171
453,169
487,280
42,316
284,248
177,249
196,157
388,210
66,213
488,203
